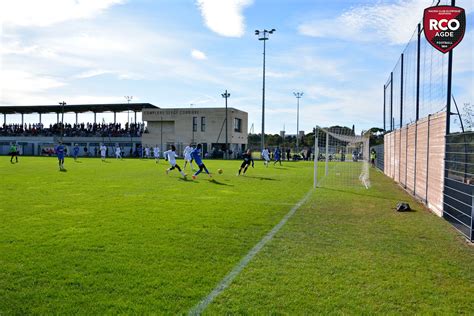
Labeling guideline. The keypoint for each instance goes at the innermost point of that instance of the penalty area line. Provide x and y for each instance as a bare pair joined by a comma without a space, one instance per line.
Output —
227,280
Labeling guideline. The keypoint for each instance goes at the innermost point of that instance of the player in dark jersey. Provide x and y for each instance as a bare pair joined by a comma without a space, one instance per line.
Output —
246,163
13,153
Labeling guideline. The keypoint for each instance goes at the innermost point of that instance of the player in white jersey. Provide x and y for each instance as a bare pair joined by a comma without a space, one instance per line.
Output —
171,154
156,153
266,156
147,152
187,157
118,152
103,151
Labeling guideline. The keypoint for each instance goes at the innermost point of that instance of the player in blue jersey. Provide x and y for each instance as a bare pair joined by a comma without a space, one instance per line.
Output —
277,156
60,150
75,152
196,156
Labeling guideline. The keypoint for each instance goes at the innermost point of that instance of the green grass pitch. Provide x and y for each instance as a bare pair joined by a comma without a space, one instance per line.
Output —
124,237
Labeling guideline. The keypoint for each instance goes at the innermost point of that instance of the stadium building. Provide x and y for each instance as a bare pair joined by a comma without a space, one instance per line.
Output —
206,126
161,127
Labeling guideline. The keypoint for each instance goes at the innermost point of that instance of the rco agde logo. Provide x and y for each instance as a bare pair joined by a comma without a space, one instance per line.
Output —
444,26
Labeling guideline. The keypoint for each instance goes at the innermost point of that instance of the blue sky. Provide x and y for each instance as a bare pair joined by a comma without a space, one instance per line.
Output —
177,53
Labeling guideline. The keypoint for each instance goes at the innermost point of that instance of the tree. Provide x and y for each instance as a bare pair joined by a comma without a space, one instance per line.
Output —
375,135
468,117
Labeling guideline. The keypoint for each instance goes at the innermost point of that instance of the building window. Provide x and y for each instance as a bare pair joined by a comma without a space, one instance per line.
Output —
238,125
195,124
203,123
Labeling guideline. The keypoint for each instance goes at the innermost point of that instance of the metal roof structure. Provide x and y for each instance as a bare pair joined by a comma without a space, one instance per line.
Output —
76,108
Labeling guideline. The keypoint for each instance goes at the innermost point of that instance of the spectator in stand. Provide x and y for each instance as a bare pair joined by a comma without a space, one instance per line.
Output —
80,130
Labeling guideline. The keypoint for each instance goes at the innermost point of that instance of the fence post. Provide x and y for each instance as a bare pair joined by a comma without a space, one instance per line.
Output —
418,73
414,174
472,219
448,100
384,114
399,153
391,101
401,119
428,159
406,157
450,77
401,92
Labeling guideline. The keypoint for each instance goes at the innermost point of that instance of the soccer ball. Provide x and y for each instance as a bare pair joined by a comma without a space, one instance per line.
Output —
220,171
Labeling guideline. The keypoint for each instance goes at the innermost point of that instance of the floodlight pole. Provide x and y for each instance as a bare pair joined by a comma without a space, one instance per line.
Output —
161,134
263,36
128,98
298,95
226,95
62,104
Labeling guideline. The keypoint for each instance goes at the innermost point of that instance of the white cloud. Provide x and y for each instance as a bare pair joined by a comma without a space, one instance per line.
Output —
224,16
25,87
92,73
197,54
49,12
393,23
29,82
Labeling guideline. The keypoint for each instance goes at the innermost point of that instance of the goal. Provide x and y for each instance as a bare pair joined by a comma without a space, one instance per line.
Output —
341,158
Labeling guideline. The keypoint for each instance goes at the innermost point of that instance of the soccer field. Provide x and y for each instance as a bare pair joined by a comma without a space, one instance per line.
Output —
123,237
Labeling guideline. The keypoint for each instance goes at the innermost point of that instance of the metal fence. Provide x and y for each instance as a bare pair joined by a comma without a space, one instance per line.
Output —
423,133
417,86
379,156
458,195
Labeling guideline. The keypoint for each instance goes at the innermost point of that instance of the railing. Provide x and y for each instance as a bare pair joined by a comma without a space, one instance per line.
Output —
458,197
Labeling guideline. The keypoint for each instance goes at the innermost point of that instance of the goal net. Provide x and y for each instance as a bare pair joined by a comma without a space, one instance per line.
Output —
341,159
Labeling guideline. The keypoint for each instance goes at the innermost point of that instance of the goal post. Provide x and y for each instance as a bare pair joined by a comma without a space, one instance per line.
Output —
344,156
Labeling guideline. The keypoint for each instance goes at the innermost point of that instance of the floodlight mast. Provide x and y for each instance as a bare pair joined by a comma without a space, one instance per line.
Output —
298,95
128,98
226,95
62,104
263,36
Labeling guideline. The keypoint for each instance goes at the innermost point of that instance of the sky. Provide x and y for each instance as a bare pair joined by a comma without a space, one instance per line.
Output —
186,53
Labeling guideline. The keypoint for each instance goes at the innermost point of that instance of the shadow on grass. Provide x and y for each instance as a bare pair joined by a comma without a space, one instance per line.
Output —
106,161
261,178
76,161
410,211
219,183
62,170
186,180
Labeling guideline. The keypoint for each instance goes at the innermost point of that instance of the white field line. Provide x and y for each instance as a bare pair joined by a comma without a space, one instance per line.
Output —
227,280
